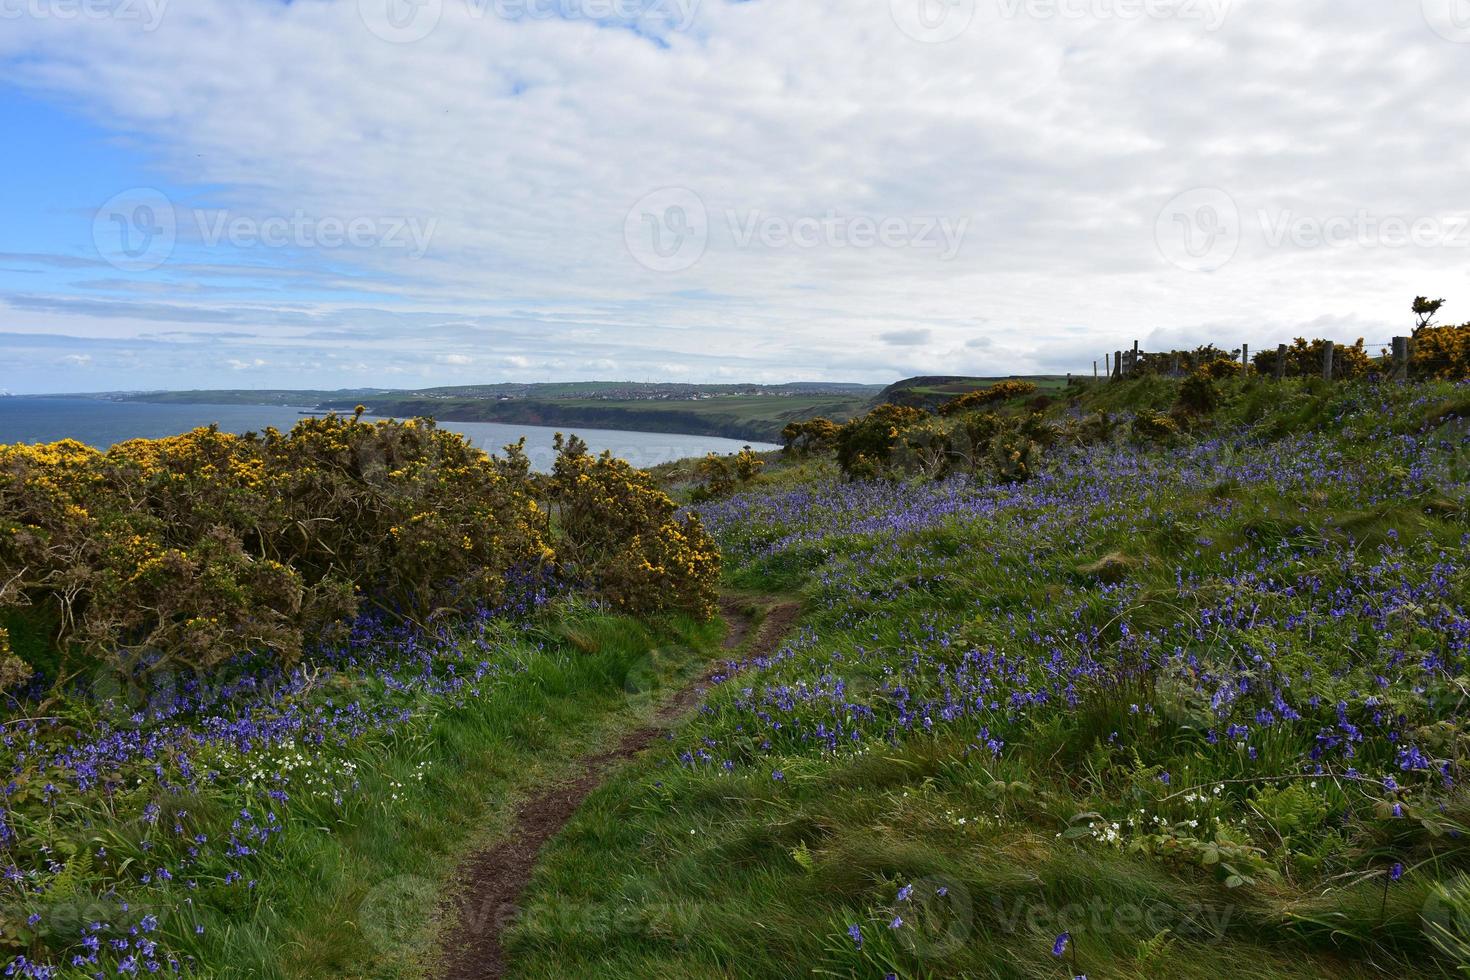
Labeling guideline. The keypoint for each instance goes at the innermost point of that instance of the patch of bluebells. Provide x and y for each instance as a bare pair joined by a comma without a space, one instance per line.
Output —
1294,645
275,740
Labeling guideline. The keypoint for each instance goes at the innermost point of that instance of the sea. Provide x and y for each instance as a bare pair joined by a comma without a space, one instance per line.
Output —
101,423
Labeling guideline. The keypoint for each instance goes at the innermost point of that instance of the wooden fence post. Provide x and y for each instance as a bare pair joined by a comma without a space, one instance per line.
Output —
1133,362
1328,349
1118,364
1280,361
1245,358
1094,370
1401,359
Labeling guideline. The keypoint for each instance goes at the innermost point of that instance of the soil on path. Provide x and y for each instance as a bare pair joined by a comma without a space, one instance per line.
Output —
490,882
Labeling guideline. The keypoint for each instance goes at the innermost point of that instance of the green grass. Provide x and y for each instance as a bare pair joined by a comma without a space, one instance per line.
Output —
665,874
354,887
342,888
339,886
687,869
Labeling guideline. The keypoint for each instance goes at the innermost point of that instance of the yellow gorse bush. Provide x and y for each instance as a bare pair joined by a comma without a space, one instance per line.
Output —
1305,360
203,546
994,395
1442,353
811,437
626,539
865,444
721,476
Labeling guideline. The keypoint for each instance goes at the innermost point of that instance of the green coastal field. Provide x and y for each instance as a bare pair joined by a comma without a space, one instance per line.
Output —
1152,677
754,412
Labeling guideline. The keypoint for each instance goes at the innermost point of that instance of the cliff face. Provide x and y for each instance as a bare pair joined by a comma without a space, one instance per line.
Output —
912,391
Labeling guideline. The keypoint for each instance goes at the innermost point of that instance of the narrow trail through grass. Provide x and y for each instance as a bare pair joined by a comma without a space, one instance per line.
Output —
488,889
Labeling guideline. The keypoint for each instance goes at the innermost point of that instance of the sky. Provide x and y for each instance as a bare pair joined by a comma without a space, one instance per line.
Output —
406,193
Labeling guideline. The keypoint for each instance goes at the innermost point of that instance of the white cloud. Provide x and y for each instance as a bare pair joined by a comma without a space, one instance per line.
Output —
1059,139
907,338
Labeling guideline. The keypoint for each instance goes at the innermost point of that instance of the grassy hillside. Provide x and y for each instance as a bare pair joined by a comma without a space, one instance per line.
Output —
1178,706
736,411
931,392
758,418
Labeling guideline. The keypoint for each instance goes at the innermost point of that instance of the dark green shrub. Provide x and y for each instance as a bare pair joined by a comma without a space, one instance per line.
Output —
809,438
1151,426
927,449
1220,368
1304,360
721,476
1198,394
1187,361
1015,458
865,445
